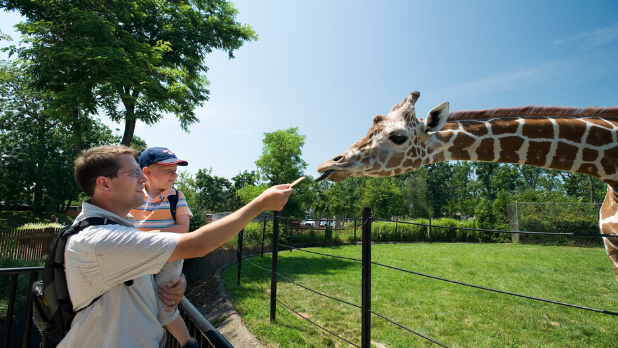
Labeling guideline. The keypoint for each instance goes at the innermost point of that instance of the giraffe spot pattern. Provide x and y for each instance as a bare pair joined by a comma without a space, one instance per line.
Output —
600,123
412,152
476,128
485,150
395,160
598,136
609,161
588,168
565,156
509,147
572,130
500,127
589,155
537,153
537,128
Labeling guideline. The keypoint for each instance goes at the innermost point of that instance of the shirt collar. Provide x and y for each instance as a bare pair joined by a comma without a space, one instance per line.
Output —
90,210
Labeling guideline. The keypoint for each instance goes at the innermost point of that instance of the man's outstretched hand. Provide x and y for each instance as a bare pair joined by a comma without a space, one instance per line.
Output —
275,197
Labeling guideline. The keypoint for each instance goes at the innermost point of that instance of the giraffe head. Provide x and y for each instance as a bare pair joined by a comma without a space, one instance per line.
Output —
396,143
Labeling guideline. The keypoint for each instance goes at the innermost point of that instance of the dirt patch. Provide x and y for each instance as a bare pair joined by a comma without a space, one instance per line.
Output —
211,298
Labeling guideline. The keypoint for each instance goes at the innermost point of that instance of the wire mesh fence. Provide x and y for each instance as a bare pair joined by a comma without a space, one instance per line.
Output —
555,217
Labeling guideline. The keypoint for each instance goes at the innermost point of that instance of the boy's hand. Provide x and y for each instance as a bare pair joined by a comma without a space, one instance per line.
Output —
275,197
172,293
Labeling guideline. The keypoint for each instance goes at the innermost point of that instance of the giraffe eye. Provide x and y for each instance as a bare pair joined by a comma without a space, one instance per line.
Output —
398,138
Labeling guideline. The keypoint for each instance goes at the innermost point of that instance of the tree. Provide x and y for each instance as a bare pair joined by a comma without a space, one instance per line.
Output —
135,60
213,193
415,196
281,161
438,175
384,197
37,155
242,180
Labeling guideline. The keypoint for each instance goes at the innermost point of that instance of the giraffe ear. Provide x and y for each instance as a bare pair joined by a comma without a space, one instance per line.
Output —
436,118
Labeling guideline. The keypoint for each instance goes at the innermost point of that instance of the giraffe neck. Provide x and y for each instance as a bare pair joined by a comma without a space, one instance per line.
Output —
583,145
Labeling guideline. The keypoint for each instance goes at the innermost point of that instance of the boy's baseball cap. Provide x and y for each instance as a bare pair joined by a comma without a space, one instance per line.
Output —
159,155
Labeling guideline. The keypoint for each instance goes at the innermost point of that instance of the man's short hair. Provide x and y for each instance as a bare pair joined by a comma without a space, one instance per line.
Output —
99,161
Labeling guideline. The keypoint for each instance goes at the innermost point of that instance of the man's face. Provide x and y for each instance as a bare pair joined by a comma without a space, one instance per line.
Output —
127,187
161,177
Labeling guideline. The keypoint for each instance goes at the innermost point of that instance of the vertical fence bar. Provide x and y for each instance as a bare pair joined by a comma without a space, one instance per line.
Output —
9,314
263,233
28,318
239,254
273,273
366,283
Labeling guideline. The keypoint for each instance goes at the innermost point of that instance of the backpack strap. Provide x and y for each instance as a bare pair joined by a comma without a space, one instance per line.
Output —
173,200
62,291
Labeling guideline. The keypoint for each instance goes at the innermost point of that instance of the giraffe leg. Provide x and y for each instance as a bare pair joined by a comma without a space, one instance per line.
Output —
608,221
612,251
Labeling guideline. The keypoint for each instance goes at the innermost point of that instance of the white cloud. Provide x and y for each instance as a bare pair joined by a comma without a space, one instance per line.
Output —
594,38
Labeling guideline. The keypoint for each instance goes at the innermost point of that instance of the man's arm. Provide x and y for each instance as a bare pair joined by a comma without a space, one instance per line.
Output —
208,238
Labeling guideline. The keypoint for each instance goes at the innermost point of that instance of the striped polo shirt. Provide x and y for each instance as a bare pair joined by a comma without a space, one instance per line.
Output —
155,214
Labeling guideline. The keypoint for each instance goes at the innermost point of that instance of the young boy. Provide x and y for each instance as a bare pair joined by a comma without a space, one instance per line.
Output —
159,165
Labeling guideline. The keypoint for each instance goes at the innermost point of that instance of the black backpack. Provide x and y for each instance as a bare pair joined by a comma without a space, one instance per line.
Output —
173,200
53,311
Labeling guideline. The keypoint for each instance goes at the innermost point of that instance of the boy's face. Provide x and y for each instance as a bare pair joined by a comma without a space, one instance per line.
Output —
161,177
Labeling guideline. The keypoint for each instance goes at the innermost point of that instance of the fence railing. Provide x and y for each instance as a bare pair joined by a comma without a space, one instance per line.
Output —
27,244
22,333
366,312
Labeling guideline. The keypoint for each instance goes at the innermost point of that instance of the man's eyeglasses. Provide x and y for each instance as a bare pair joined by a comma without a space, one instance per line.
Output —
135,172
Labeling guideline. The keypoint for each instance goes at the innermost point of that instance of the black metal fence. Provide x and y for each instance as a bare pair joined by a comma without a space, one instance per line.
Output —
366,312
19,330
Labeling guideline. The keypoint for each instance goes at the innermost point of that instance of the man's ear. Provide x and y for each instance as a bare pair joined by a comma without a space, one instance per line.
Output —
436,118
103,184
147,172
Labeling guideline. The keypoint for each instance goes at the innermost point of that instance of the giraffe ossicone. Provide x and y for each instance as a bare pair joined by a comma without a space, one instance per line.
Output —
583,140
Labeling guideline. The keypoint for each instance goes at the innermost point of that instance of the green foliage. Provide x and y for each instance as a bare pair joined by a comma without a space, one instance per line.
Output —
144,55
384,197
212,192
281,162
36,165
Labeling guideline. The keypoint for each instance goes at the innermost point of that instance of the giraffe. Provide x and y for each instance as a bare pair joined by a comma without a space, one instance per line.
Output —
583,140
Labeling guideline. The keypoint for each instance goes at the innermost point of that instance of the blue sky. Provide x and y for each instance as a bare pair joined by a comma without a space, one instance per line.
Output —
328,67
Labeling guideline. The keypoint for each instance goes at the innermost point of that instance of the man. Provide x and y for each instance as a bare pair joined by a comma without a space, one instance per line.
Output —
100,259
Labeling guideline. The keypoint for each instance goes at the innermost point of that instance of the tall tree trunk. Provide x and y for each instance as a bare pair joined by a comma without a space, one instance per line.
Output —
129,126
129,129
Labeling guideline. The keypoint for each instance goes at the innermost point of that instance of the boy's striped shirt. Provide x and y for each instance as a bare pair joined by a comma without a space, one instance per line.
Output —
156,214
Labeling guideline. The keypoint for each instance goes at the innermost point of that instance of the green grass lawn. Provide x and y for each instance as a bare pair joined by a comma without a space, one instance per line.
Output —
452,314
